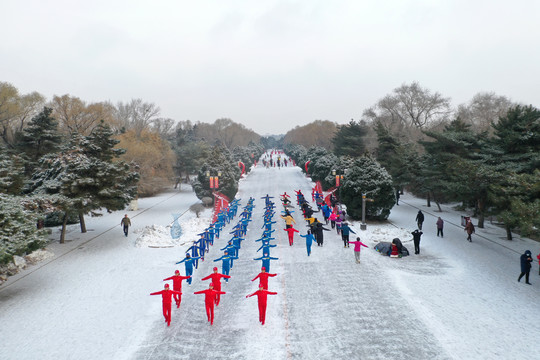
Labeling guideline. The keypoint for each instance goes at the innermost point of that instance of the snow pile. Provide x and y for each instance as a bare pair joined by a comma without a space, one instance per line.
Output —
194,226
154,236
382,232
37,256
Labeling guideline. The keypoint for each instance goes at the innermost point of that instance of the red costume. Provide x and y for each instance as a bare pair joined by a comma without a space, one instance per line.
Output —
262,296
166,296
216,280
177,285
209,299
263,278
291,232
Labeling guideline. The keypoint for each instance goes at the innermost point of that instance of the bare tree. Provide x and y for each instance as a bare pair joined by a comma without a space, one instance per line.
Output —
137,115
76,117
484,109
409,109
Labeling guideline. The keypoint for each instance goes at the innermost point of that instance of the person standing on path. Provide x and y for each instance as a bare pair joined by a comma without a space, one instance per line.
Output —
166,295
440,225
525,262
345,232
266,261
310,239
177,285
216,280
262,296
469,228
288,220
209,300
538,257
416,237
125,223
188,262
397,197
317,231
420,219
357,247
263,278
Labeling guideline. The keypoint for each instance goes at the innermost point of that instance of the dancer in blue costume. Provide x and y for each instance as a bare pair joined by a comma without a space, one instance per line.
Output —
188,263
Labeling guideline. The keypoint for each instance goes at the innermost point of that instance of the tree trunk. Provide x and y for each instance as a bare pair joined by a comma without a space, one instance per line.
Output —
508,233
81,221
428,199
63,232
481,205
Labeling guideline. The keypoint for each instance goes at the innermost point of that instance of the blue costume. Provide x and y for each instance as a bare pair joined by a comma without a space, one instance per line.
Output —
309,240
226,260
266,261
188,262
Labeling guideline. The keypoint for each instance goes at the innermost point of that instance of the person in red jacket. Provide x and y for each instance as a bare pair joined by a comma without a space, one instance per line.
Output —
209,300
262,296
538,257
263,278
166,295
177,286
216,280
291,232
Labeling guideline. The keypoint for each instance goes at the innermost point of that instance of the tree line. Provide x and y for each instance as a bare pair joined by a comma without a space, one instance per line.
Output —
65,158
484,155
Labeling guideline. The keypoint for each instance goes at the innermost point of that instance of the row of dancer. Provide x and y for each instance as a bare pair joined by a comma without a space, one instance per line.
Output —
198,249
263,292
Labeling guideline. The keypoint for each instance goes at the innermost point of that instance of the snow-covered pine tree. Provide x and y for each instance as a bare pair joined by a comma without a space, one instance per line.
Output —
367,176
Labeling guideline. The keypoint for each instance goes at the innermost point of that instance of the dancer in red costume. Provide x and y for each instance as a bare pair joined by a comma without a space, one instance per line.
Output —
263,278
262,296
291,232
216,280
177,285
209,300
166,295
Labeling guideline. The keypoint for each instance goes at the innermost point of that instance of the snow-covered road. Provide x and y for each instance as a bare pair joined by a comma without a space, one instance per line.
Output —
456,300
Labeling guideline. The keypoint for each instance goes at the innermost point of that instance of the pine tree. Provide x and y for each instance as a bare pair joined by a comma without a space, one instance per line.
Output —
368,177
39,138
349,139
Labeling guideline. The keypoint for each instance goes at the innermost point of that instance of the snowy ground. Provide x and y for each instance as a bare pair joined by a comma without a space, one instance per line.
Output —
456,300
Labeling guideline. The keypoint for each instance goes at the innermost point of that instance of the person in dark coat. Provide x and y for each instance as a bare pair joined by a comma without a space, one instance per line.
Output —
397,197
416,237
420,219
440,225
525,260
317,231
469,228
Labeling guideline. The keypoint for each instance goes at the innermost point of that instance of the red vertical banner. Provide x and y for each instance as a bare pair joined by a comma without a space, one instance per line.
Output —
337,180
216,183
211,182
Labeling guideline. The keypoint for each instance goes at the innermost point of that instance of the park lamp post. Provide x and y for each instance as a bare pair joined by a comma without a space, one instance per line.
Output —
363,226
339,179
214,180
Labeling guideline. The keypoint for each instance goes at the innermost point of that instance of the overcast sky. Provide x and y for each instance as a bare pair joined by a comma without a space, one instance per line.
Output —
268,64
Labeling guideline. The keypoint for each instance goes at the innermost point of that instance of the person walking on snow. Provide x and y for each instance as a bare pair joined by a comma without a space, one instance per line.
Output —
469,228
291,232
416,238
310,239
332,219
125,223
166,296
345,232
209,301
188,262
420,219
216,281
177,285
525,262
263,278
357,247
440,225
538,257
317,230
262,296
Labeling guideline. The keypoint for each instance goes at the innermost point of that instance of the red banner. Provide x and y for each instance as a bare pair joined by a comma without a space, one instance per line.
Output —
242,167
220,202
